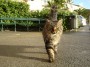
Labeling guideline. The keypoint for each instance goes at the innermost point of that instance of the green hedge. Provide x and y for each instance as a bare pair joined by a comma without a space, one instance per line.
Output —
13,9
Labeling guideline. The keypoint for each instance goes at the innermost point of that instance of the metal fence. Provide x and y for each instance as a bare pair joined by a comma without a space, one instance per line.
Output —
15,21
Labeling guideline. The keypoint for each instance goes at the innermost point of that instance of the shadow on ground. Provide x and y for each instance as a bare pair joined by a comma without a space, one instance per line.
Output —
14,51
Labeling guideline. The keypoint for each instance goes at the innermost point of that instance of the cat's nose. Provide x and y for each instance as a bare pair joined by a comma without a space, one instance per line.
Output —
53,32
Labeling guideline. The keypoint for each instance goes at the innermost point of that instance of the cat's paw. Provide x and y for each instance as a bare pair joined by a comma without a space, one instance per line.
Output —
51,60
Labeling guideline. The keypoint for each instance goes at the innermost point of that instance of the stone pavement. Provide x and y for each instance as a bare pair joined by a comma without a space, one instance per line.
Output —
84,29
26,49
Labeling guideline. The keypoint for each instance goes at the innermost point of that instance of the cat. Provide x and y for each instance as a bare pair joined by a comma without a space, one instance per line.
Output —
52,32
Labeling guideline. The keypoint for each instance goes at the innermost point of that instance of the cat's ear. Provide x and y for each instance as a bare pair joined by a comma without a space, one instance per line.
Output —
48,21
60,22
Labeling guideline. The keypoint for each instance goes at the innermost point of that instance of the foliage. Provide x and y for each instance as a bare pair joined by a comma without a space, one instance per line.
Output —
12,9
58,11
54,6
83,12
63,14
58,3
40,14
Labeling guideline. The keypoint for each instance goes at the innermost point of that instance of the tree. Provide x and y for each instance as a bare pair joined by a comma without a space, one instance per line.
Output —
25,0
55,5
84,12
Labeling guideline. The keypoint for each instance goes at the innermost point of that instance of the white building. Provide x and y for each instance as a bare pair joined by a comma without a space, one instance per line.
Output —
71,7
37,4
40,4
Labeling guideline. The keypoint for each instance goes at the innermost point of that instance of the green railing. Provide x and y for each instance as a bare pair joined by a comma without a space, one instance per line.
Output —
15,21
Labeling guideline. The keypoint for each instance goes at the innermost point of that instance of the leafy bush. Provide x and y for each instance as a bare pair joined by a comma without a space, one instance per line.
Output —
40,14
11,9
63,14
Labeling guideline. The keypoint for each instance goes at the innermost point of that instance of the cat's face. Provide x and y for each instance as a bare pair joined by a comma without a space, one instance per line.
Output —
53,27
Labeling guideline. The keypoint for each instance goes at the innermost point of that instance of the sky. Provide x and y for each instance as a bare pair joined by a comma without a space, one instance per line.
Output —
83,3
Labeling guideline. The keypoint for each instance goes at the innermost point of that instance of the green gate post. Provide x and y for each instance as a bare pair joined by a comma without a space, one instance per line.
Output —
2,26
39,25
15,25
27,26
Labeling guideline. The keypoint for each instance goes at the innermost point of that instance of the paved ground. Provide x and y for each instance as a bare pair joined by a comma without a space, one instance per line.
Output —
26,49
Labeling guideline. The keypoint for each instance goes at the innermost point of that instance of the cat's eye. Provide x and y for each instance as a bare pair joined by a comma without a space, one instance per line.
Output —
57,28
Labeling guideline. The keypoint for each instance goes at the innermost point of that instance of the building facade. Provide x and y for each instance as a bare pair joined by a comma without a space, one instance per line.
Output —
40,4
71,7
37,4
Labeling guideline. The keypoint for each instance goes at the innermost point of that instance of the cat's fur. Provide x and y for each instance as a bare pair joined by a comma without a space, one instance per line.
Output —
52,32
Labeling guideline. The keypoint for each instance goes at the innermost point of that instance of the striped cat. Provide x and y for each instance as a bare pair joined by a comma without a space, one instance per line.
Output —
52,32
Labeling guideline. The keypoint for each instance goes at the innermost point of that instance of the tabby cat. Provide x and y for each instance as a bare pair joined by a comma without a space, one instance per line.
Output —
52,32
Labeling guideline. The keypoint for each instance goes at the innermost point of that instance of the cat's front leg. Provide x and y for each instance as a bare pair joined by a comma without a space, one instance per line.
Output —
55,49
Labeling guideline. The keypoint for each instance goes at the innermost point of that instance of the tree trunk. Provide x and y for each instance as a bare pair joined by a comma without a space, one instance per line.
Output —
53,14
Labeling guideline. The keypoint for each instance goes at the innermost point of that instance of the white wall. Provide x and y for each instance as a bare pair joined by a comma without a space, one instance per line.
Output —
72,7
36,4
